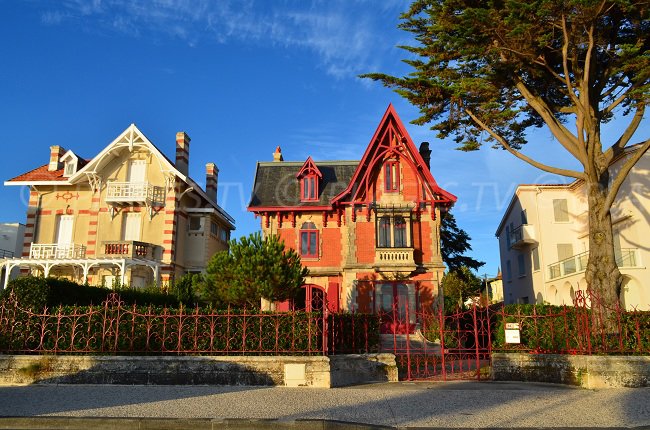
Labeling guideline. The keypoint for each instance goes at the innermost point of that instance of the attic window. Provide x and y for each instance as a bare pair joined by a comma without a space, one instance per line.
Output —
309,176
391,176
70,168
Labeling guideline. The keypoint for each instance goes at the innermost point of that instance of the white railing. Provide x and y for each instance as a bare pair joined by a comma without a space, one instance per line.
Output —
625,258
133,192
49,251
394,256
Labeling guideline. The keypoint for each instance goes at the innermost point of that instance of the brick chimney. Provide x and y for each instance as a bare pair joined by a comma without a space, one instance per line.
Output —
277,155
425,152
56,152
211,179
183,152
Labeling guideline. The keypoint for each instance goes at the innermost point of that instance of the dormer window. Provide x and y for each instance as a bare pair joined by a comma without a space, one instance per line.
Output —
309,176
70,163
391,176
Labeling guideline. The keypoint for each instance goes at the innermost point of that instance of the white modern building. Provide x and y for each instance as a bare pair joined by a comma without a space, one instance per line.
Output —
544,242
11,245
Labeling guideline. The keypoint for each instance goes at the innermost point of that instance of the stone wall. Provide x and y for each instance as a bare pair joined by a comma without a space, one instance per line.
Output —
589,371
316,371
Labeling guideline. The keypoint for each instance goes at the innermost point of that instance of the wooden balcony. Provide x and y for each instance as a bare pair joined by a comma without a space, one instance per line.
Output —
142,193
56,251
128,249
394,257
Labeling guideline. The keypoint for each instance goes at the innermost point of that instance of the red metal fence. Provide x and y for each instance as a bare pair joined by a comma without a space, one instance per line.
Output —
117,328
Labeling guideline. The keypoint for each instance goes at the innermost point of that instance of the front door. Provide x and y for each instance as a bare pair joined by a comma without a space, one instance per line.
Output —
397,305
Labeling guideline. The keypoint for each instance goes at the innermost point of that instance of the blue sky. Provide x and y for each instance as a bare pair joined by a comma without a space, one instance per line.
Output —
240,77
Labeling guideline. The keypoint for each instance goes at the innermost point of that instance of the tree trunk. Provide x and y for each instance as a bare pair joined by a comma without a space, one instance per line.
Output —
602,274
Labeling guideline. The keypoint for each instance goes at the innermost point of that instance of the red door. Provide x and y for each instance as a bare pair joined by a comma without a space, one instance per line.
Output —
396,302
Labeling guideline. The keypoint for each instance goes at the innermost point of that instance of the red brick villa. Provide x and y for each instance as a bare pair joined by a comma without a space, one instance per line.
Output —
367,230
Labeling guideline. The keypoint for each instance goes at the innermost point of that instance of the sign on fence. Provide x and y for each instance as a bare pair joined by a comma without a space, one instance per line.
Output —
512,333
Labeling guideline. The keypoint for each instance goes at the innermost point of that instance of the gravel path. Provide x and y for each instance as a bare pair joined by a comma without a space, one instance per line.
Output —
457,404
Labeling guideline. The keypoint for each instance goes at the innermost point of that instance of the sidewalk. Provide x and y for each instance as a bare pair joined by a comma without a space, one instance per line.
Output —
402,405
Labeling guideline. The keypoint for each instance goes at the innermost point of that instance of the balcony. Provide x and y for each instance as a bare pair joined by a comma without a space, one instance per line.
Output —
56,251
128,249
134,192
625,258
6,254
522,236
394,257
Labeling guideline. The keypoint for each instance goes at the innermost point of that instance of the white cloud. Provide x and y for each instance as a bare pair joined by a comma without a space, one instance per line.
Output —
347,36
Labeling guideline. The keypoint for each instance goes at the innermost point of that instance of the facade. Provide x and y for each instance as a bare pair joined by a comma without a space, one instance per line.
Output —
367,230
544,243
12,236
129,215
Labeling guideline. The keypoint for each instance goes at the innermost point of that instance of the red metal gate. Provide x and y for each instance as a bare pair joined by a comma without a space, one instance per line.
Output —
443,346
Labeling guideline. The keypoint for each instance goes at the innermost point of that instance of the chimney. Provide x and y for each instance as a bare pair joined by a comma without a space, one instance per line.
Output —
211,178
183,152
56,152
425,152
277,155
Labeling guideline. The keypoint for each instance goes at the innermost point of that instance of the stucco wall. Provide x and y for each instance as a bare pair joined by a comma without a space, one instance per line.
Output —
317,371
586,371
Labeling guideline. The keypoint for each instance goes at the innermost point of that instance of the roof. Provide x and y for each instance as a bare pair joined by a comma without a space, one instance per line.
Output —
43,174
275,183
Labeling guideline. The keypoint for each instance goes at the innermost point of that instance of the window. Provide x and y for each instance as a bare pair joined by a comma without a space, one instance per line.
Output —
508,236
521,263
560,210
392,232
399,230
214,228
308,240
535,255
309,188
391,176
195,223
508,271
70,169
131,226
524,217
224,234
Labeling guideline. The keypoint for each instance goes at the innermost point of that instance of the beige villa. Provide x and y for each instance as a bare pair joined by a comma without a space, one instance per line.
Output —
544,243
129,215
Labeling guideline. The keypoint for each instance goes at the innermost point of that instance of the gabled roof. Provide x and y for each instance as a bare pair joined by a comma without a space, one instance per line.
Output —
391,138
42,175
276,186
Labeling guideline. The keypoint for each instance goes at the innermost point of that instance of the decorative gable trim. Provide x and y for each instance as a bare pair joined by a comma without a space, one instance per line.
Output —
309,168
391,141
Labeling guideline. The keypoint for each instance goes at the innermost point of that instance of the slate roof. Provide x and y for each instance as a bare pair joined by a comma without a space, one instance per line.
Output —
43,174
276,184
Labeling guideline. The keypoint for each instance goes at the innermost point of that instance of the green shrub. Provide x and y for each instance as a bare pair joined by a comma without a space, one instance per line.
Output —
36,292
353,333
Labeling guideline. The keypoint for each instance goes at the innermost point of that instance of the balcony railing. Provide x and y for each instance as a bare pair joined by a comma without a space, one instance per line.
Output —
394,257
134,192
6,254
625,258
128,249
51,251
522,236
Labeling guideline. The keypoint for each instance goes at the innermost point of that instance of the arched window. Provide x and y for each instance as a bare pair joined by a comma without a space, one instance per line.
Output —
308,240
399,232
384,232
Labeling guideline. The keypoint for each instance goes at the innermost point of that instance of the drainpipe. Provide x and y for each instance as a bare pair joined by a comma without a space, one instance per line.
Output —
542,267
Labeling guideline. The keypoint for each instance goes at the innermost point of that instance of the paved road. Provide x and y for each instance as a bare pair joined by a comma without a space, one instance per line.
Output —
454,404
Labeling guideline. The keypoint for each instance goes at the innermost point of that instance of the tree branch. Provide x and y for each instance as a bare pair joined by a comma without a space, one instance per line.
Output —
510,149
622,174
565,64
564,136
622,141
